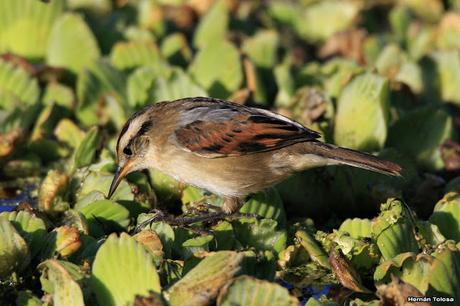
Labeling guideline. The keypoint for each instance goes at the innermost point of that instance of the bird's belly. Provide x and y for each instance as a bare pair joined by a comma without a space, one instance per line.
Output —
228,176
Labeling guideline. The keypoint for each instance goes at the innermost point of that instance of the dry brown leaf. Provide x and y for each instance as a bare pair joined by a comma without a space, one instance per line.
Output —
348,44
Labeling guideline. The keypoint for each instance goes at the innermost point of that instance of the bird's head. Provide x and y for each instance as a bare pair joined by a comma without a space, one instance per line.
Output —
133,146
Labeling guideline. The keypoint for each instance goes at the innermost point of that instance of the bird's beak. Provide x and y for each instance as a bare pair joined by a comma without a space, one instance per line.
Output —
120,173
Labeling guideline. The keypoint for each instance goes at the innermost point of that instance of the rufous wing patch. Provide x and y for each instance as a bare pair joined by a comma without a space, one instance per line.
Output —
244,133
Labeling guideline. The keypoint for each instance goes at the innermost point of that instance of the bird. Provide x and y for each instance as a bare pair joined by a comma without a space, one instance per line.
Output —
228,149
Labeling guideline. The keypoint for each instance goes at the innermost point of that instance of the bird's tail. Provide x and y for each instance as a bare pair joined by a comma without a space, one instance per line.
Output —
354,158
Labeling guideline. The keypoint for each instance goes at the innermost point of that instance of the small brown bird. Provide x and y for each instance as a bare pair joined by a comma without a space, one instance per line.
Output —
228,149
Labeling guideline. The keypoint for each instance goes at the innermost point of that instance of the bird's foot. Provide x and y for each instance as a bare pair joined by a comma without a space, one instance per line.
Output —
186,221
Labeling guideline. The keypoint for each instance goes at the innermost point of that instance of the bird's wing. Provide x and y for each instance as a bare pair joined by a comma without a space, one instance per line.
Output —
218,129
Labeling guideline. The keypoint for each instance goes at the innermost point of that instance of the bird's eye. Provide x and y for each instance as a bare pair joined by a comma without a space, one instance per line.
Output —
127,151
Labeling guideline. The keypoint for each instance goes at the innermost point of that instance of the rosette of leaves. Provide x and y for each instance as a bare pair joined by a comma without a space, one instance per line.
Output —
426,273
394,229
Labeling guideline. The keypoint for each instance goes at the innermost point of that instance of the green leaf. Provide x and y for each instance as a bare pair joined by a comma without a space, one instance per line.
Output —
26,298
86,151
60,283
72,45
262,48
14,253
322,19
262,235
139,86
126,55
26,25
177,85
420,133
123,269
100,182
446,216
445,275
104,214
213,26
16,82
411,268
217,68
448,65
427,10
315,251
201,285
368,94
167,188
56,93
393,230
30,227
176,50
94,85
357,228
267,204
68,132
196,245
261,293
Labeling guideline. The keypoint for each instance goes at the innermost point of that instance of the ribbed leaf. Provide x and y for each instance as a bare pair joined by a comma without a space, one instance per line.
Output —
357,228
448,65
366,94
104,214
446,216
17,83
127,55
123,269
72,45
213,26
262,235
30,227
99,81
249,291
262,48
201,285
25,26
60,284
322,19
394,231
177,85
420,133
444,279
86,151
14,253
217,68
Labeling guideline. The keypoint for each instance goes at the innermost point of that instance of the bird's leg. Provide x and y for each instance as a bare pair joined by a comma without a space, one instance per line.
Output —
229,210
201,206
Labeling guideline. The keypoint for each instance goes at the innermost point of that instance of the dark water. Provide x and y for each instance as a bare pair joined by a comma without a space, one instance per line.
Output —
11,203
308,292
